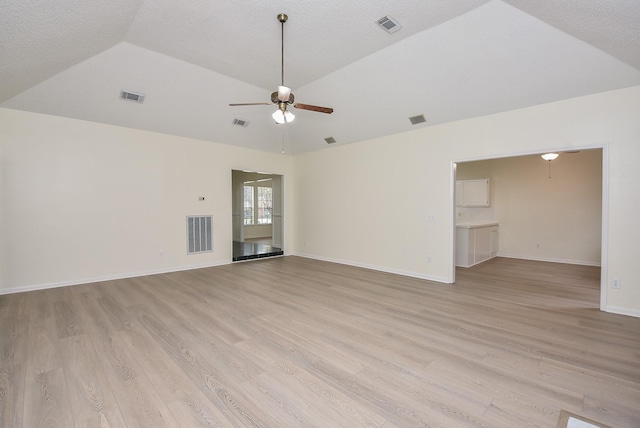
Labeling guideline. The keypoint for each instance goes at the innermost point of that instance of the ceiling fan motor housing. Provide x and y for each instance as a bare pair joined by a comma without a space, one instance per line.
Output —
276,100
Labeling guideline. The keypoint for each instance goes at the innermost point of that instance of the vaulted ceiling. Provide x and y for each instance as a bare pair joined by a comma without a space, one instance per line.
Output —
190,58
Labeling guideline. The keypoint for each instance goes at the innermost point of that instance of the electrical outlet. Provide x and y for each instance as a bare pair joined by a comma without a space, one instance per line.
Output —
615,283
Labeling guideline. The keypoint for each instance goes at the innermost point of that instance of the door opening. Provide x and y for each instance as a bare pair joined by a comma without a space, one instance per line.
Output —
257,207
540,221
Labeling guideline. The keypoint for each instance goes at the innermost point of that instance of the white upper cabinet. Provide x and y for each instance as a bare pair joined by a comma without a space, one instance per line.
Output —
459,193
472,193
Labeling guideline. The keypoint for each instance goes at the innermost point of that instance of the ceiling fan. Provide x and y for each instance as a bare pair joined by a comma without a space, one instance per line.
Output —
283,96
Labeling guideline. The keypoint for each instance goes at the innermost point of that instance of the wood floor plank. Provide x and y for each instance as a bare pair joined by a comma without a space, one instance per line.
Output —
138,401
212,379
187,404
292,341
66,319
12,380
291,369
90,394
13,340
47,401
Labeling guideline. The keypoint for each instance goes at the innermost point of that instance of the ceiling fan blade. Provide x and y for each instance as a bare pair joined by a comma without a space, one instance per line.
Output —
319,109
251,104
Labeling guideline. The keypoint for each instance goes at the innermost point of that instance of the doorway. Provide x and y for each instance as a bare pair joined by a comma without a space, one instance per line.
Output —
257,207
546,211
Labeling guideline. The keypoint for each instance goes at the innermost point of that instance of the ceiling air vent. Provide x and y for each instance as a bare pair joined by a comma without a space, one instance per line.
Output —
417,119
132,96
330,140
389,24
241,122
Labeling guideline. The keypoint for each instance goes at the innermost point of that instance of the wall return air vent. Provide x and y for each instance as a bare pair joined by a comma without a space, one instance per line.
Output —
132,96
199,234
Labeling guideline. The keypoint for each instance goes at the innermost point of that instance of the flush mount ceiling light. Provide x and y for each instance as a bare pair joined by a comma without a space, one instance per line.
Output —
283,96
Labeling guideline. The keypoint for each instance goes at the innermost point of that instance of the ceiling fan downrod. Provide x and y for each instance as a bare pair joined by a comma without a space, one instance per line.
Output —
282,17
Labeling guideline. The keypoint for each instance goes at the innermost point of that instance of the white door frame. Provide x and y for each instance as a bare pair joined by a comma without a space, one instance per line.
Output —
277,222
237,207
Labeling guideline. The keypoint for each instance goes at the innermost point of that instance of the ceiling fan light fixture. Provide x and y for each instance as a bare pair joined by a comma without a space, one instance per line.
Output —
284,93
550,156
283,116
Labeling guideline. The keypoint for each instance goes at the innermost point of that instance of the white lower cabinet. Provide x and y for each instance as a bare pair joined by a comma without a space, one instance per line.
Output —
494,241
475,243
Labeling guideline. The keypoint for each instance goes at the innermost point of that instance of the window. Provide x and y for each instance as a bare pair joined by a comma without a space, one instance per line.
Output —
248,205
258,203
265,205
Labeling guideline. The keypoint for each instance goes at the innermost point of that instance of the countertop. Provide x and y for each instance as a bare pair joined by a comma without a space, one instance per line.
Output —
474,224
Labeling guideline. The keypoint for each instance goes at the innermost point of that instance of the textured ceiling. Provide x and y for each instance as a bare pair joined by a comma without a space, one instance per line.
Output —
449,61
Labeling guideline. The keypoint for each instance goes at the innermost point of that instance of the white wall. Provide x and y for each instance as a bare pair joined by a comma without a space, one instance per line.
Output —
367,203
553,219
83,201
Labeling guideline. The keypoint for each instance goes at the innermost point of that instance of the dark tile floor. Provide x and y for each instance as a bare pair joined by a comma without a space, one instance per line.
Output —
254,250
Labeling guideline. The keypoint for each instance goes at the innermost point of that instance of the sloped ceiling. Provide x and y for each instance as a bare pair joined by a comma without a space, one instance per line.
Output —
191,58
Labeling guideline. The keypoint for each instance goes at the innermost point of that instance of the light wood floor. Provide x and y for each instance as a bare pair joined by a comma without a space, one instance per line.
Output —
289,342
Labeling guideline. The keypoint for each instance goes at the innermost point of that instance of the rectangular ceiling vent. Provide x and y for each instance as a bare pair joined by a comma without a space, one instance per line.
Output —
390,24
330,140
241,122
417,119
132,96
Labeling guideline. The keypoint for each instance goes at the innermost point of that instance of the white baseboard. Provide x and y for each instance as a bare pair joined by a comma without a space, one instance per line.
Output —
46,286
375,267
611,309
622,311
551,260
